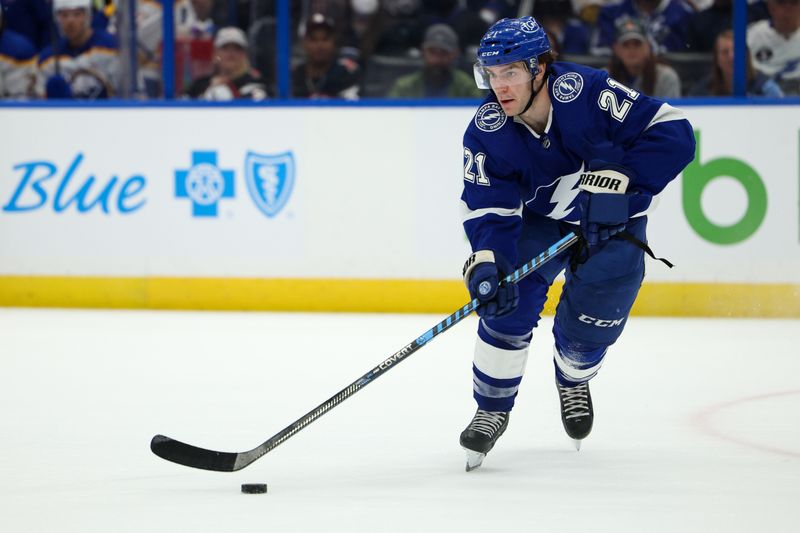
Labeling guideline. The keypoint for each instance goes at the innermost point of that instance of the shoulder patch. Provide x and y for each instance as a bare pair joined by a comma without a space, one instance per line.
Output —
490,117
567,87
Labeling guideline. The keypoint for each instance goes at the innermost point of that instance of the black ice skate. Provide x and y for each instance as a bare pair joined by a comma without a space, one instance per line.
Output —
481,434
577,414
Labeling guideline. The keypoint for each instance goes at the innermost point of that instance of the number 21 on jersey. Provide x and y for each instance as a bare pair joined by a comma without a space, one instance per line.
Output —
477,161
608,100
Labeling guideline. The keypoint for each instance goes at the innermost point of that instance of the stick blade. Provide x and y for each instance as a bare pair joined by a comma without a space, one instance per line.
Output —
188,455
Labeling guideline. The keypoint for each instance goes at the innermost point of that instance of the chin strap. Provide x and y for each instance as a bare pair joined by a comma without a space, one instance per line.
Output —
535,92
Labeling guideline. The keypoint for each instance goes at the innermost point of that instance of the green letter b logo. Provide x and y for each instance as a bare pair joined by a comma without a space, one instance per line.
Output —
698,175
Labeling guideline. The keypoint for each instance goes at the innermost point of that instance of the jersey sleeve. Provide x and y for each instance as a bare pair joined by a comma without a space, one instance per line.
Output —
651,138
491,201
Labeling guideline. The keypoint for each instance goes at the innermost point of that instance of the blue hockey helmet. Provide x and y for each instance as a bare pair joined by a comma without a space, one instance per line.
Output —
508,41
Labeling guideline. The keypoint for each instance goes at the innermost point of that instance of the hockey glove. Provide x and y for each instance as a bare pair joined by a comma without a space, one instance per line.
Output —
603,202
57,87
483,279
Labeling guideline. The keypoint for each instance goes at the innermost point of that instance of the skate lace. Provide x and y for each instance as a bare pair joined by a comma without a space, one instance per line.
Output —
487,422
575,400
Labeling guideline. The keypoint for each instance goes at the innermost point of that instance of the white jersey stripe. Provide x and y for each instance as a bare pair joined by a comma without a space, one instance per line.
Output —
469,214
666,113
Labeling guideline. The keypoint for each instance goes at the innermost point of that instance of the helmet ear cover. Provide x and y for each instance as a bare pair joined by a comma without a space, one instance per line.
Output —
533,66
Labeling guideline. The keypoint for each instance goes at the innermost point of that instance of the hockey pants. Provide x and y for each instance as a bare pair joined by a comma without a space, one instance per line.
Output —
595,303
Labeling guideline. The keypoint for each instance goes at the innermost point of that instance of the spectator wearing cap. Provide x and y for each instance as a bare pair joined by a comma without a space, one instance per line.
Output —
666,23
438,77
633,63
324,74
233,78
466,18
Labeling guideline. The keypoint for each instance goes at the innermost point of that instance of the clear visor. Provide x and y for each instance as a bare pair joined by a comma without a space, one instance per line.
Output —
501,75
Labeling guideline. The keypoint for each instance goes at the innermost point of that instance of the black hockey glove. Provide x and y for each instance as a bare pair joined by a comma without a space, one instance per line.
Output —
603,202
483,279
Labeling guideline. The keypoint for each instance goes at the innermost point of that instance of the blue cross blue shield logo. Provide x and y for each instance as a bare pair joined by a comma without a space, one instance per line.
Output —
270,179
204,183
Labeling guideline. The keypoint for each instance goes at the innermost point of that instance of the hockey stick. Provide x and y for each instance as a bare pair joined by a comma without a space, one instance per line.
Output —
186,454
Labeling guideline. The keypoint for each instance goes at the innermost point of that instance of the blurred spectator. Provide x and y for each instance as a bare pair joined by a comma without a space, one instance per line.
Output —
588,10
395,30
17,63
467,23
567,33
493,10
342,12
233,78
362,16
438,78
633,63
665,20
83,63
30,18
775,44
323,74
104,14
336,10
262,33
194,31
705,25
719,82
197,21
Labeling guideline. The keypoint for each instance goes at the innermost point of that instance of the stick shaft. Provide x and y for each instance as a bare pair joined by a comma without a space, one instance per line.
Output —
412,347
195,457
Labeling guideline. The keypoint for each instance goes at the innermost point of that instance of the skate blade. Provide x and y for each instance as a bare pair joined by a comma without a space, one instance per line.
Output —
474,460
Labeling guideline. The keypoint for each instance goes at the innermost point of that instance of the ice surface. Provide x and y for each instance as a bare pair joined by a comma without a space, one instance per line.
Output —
696,427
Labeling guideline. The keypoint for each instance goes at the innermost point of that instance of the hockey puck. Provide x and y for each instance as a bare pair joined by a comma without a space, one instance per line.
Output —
254,488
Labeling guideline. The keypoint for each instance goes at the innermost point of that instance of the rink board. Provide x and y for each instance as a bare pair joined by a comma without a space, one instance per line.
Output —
352,209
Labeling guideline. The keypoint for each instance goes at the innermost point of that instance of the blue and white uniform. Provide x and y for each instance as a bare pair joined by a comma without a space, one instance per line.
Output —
17,66
92,70
519,197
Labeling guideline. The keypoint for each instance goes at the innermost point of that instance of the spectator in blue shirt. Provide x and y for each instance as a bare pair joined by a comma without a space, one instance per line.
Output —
666,22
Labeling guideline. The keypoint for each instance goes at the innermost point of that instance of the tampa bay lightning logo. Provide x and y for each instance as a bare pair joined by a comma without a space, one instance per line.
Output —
270,179
567,87
490,117
529,26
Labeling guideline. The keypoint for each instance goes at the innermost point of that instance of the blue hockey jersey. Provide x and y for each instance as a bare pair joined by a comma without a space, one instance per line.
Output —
92,70
509,167
17,65
667,24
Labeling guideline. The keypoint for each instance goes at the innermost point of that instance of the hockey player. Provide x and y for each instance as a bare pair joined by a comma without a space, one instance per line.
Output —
83,63
556,148
17,63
